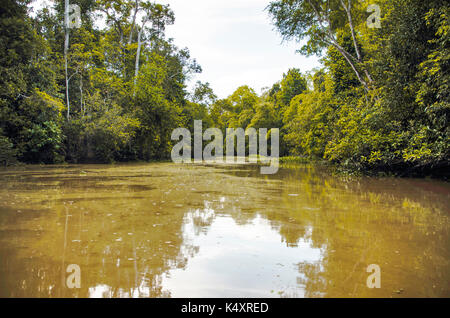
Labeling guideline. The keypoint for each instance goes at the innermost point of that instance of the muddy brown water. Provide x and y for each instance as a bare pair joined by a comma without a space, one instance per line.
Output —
168,230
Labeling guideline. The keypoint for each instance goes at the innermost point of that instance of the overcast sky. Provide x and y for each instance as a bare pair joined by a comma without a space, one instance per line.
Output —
234,42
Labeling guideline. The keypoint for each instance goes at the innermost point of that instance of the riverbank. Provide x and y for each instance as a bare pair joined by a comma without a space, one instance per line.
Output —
441,172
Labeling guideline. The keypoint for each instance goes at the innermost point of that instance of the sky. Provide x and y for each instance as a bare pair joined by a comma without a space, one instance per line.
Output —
234,42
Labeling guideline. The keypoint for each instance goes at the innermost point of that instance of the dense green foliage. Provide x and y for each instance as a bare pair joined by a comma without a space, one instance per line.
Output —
392,111
121,107
381,100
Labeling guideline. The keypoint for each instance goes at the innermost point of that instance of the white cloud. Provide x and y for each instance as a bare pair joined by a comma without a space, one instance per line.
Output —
234,42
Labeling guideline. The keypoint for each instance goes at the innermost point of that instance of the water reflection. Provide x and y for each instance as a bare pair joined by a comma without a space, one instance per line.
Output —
249,262
166,230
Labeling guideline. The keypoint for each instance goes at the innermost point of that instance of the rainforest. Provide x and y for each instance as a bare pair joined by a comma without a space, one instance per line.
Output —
379,103
96,96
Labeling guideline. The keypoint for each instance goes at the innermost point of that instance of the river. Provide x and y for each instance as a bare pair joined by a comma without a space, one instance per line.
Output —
174,230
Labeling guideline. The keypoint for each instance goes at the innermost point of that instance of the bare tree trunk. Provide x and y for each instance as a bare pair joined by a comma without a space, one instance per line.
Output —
354,62
81,94
353,66
66,49
138,54
136,9
349,58
355,43
352,29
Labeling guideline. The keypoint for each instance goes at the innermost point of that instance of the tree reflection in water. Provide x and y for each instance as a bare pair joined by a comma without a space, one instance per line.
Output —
161,230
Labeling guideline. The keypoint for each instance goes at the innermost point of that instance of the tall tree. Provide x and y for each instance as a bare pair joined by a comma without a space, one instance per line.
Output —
66,50
159,16
319,21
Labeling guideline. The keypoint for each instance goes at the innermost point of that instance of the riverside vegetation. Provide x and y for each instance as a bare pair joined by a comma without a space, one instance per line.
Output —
380,101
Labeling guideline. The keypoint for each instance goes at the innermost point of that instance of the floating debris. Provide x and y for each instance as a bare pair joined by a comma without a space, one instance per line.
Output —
398,291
